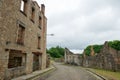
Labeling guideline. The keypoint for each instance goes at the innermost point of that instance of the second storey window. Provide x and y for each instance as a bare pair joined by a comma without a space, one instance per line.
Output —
23,7
39,42
40,22
33,14
21,34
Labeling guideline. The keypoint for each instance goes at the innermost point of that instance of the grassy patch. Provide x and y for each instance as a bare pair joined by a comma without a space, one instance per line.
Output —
108,74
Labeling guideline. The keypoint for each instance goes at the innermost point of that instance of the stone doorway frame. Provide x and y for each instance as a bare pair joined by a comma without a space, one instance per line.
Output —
37,61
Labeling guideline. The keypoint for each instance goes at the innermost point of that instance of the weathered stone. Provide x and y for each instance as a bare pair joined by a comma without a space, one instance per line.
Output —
72,58
11,18
108,58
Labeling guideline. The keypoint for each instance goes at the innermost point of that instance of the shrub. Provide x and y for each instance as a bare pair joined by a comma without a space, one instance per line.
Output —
114,44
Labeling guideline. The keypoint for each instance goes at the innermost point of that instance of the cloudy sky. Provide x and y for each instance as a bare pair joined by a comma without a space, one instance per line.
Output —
78,23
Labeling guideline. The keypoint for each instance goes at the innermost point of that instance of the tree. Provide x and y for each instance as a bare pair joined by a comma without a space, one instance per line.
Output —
114,44
56,52
87,50
97,48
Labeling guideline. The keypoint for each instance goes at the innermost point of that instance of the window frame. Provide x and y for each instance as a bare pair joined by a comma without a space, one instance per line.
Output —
23,7
20,34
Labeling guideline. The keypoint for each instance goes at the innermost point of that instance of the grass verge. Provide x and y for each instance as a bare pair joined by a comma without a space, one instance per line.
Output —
108,74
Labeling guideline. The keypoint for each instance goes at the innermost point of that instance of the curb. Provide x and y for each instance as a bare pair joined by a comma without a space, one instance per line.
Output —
103,78
34,75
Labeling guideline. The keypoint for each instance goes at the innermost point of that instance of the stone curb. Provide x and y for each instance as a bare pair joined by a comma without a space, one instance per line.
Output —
103,78
34,74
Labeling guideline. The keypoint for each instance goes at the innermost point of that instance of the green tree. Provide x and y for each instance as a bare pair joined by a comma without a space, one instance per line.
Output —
97,48
114,44
87,50
56,52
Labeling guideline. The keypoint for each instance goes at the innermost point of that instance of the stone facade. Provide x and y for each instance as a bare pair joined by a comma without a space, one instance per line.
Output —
108,59
48,61
72,58
22,38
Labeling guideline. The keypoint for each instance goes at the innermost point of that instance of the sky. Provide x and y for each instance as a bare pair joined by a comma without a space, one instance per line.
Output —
79,23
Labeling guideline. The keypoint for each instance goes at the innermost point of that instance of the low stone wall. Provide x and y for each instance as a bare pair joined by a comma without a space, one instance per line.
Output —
14,72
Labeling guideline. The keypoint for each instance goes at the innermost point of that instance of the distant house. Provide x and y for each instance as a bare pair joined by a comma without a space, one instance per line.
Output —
71,58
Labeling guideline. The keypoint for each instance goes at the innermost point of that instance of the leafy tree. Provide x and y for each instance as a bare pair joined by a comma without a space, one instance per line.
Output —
60,50
87,50
114,44
56,52
97,48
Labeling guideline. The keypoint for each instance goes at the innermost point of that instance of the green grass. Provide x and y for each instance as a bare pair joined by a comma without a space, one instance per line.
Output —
108,74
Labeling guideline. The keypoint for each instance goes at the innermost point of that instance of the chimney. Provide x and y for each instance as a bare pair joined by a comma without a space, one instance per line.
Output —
43,8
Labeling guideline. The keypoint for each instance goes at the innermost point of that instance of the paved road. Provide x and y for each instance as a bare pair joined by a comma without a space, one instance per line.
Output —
65,72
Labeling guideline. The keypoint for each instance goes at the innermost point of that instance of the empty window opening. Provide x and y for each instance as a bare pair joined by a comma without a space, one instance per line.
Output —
16,59
40,21
39,42
33,14
23,6
21,33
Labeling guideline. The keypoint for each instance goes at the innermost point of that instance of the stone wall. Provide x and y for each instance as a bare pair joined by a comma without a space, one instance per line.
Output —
48,61
108,59
10,18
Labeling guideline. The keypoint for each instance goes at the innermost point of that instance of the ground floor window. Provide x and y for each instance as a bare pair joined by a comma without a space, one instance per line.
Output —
16,59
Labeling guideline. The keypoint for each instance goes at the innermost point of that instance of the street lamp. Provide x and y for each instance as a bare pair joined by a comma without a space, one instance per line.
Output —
50,34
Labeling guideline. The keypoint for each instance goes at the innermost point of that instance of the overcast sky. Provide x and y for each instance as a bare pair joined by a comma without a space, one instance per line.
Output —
79,23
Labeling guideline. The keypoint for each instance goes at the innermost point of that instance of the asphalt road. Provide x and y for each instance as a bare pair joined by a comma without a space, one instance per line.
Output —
67,72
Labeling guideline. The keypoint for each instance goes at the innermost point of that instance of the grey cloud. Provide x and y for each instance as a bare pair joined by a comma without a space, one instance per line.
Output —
90,22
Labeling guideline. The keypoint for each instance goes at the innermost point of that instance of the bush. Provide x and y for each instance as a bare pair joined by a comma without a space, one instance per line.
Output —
87,50
96,49
56,52
114,44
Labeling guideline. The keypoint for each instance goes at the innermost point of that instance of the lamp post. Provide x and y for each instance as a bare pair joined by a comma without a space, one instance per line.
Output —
50,34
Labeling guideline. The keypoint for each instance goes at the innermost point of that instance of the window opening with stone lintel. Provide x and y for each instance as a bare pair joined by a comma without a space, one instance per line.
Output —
16,59
21,34
40,22
33,14
23,7
39,42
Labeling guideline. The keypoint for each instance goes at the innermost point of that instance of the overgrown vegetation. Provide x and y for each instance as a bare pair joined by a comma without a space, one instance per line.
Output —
114,44
56,52
87,50
96,49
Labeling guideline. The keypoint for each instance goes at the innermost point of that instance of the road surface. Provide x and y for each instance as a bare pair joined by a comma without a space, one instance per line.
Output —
67,72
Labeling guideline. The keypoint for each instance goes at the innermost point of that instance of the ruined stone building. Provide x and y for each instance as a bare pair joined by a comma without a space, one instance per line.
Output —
108,59
22,38
71,58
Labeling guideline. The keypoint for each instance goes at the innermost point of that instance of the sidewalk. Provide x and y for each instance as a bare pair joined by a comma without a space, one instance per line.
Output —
34,74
